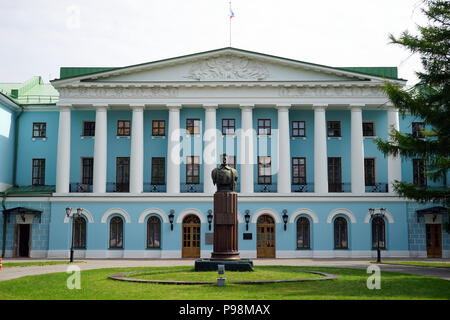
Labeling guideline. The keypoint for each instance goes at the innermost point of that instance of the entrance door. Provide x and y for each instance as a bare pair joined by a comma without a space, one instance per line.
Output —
191,237
23,240
265,238
434,241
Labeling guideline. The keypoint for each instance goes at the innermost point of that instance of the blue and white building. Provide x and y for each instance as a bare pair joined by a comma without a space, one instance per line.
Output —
120,165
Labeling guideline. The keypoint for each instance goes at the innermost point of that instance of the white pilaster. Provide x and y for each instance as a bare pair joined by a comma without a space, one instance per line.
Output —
100,147
63,155
173,150
137,150
320,150
394,163
209,148
246,150
284,151
357,150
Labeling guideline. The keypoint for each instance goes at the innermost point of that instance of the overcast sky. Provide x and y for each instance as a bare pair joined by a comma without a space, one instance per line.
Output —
40,36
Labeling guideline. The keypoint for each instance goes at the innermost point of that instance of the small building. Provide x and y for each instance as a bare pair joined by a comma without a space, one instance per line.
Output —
117,161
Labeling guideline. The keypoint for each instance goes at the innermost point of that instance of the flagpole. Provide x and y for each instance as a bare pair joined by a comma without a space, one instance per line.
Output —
230,23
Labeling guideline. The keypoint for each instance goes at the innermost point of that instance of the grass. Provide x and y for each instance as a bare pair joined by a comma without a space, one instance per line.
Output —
35,263
260,273
420,263
350,285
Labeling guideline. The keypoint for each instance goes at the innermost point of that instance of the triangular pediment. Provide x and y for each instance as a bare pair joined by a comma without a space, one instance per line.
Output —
228,64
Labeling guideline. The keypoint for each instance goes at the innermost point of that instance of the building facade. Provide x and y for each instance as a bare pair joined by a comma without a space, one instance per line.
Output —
120,166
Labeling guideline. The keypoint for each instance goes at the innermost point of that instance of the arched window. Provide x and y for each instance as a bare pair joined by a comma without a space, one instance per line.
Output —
340,233
153,232
79,233
116,233
303,233
378,233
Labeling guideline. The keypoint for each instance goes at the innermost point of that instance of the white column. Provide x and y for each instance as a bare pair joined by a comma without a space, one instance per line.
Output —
320,150
173,150
137,150
394,163
246,150
284,151
209,148
357,150
100,147
63,156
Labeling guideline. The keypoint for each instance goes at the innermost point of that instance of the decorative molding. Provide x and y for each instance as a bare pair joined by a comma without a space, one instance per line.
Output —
84,212
331,92
228,68
343,211
303,211
267,211
155,211
118,92
387,215
193,211
118,211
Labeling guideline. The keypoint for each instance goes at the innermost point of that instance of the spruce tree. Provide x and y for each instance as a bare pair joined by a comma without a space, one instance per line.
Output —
428,100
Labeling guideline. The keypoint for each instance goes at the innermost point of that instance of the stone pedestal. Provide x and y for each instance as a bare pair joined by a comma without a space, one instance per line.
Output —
225,226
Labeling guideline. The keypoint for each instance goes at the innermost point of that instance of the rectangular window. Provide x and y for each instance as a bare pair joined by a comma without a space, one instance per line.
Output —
298,171
228,126
38,172
420,178
334,129
368,129
193,169
193,126
264,127
87,170
334,175
298,128
88,128
264,170
122,174
39,129
123,128
369,171
158,128
231,160
158,171
417,128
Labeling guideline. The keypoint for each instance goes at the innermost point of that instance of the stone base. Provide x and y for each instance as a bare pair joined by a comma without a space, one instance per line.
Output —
225,256
211,265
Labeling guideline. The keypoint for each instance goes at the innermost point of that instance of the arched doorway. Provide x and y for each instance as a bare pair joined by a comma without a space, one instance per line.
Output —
265,239
191,237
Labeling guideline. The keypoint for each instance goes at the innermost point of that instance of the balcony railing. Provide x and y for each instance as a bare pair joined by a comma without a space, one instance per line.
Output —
148,187
117,187
80,187
191,188
378,187
308,187
265,187
340,187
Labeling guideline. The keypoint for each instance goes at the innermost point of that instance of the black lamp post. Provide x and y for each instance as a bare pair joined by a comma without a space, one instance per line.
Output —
285,218
76,215
247,218
210,218
381,213
171,216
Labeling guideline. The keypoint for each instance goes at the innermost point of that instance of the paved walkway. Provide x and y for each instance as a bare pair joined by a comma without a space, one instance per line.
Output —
17,272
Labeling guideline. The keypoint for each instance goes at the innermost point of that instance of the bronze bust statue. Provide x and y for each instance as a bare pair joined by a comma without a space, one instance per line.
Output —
225,177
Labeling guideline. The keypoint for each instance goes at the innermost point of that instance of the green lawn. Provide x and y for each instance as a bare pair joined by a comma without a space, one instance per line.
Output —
350,285
35,263
420,263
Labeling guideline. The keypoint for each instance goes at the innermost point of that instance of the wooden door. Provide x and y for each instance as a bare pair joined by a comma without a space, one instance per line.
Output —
191,237
434,240
265,238
22,240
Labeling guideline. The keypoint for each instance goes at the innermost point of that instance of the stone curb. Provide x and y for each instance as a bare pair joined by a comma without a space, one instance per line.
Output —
122,277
